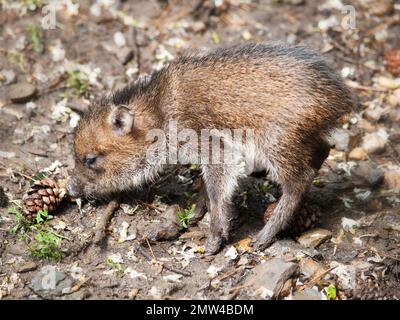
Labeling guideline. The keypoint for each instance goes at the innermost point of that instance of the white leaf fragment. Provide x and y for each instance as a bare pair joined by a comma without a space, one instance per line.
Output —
231,253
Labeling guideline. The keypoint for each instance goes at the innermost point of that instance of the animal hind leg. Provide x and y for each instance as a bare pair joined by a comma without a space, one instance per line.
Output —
288,203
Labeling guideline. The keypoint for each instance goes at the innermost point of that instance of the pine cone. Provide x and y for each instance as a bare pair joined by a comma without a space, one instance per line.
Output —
305,218
43,195
393,61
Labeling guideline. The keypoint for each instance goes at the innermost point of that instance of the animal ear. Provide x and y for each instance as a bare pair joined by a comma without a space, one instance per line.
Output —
121,120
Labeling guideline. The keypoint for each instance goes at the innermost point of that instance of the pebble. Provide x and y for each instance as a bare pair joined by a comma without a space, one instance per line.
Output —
314,237
374,143
288,249
307,294
21,92
369,173
168,228
392,179
394,115
7,154
26,267
374,114
8,76
394,98
346,275
193,235
389,83
361,265
268,278
50,283
341,139
309,267
358,153
378,8
198,26
119,39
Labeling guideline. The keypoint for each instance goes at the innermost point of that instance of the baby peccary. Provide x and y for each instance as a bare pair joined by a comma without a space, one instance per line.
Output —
284,102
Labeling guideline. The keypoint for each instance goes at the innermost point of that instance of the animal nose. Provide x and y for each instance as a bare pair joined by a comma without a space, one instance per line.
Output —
73,188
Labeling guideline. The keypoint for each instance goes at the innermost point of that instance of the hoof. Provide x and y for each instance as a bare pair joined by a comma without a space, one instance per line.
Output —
213,245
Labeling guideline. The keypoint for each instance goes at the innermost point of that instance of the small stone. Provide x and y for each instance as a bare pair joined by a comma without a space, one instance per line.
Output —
124,55
307,294
375,143
21,92
349,224
389,83
50,283
369,173
8,76
314,237
288,249
341,139
394,115
26,267
310,267
133,293
193,235
361,266
168,228
394,98
374,114
357,153
268,278
198,26
7,154
119,39
380,8
366,125
346,275
392,180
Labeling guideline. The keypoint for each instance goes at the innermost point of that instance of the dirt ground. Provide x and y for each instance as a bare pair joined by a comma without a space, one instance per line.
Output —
355,199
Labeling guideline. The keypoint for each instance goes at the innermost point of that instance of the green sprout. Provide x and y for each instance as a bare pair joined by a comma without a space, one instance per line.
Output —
119,267
266,187
185,216
42,241
189,196
244,196
35,37
47,245
331,292
76,82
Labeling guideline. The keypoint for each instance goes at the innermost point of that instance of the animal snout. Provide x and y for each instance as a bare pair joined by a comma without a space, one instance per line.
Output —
74,188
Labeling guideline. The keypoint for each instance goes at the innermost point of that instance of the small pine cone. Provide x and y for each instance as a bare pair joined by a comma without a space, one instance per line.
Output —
43,195
305,217
393,61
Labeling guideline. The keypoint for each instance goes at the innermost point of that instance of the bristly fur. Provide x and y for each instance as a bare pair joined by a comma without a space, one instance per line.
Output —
287,95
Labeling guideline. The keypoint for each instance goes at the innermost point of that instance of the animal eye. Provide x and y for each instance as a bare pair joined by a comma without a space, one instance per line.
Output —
90,160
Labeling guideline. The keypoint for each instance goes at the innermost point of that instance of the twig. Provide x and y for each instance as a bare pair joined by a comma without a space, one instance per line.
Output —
235,289
100,233
162,264
151,250
78,286
314,280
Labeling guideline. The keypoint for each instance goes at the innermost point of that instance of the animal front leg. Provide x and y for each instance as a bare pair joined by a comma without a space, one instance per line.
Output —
221,182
